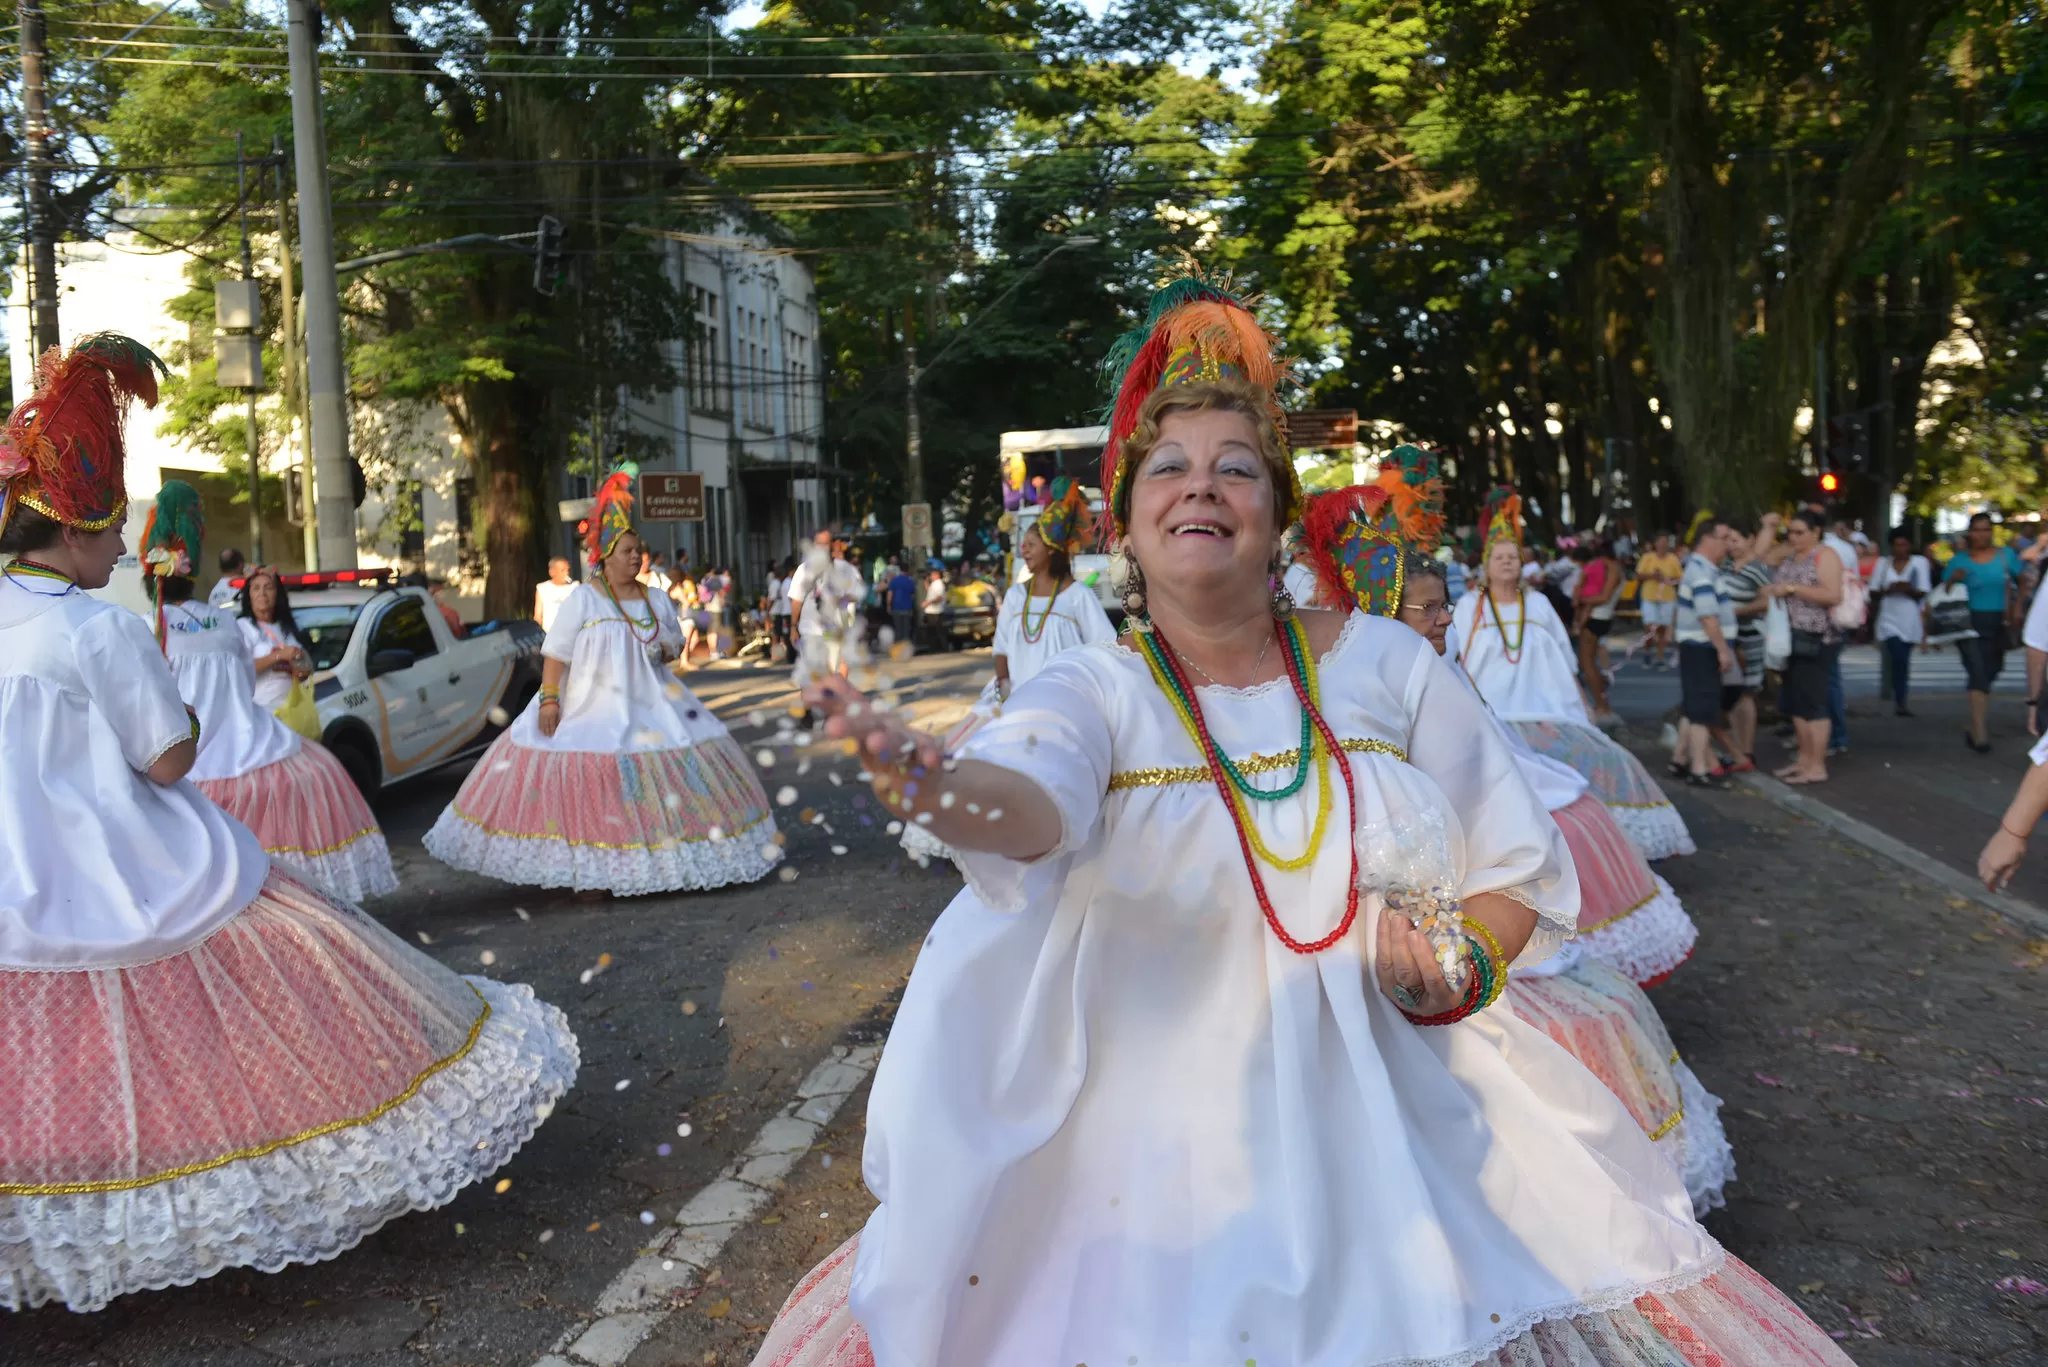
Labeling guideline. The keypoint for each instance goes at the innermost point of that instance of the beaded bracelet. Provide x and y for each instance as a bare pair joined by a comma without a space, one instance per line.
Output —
1492,941
1464,1008
1483,990
551,693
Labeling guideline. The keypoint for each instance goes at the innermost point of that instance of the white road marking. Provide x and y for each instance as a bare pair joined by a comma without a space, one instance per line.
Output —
644,1295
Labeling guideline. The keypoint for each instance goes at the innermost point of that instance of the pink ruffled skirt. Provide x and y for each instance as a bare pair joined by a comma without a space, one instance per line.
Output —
628,822
310,817
1604,1021
1628,916
1732,1319
269,1096
1619,780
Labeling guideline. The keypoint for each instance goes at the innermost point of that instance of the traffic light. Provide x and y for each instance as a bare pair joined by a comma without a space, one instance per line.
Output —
1830,482
547,255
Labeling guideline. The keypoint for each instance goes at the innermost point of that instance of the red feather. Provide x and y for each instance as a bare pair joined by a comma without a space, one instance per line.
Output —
72,429
1323,522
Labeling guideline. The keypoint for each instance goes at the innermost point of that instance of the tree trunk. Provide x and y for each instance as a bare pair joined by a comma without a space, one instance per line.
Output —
501,422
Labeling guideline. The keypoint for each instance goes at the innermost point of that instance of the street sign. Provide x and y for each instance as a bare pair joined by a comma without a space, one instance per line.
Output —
1322,429
671,497
917,524
238,361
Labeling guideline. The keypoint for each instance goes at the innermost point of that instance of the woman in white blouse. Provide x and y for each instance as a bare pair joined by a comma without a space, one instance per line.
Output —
277,652
1166,1084
1517,653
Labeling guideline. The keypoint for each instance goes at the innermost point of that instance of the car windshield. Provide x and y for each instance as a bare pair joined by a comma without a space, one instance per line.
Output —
326,627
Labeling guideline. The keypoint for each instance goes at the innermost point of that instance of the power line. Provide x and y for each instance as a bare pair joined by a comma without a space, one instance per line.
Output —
651,76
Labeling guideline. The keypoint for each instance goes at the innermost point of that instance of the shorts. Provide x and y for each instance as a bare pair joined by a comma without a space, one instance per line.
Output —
1731,694
1600,626
1699,683
1660,614
1806,684
1984,658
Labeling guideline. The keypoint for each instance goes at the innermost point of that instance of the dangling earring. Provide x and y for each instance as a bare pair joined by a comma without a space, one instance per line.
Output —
1283,601
1129,581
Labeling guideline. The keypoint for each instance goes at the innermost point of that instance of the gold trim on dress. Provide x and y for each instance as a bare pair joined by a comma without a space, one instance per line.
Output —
1257,764
96,524
1621,915
1671,1123
269,1147
323,853
606,844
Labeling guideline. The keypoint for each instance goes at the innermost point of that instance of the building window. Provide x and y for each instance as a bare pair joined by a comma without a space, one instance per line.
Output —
703,373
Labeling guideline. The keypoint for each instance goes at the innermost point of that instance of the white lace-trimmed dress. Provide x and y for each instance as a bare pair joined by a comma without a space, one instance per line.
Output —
1118,1119
1030,633
1587,998
293,793
1537,693
204,1063
641,788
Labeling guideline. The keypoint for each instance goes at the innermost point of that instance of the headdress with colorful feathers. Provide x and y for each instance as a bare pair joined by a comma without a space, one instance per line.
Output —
1503,517
172,534
611,513
64,452
1196,328
1067,524
1357,540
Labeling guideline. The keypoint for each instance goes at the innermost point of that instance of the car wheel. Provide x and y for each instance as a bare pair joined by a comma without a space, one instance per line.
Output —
361,765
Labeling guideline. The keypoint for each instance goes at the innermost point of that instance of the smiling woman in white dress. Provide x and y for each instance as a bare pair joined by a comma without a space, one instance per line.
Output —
1516,651
1167,1083
302,805
615,778
1048,613
207,1063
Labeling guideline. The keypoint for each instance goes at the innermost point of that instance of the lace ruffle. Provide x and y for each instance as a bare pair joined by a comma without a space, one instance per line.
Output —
1649,942
306,1202
310,818
1659,832
1707,1161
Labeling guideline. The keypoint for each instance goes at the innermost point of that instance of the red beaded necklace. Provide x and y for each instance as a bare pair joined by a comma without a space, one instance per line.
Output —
1237,817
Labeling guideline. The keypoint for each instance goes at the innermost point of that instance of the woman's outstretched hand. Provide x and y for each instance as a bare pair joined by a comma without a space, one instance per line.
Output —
895,754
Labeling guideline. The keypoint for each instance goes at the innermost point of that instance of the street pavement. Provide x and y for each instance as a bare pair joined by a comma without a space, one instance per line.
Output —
1875,1040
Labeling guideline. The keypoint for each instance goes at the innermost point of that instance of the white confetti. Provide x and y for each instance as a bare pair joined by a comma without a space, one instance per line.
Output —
622,1084
785,1041
946,800
588,974
756,718
501,766
924,818
803,766
543,1110
865,777
833,775
425,938
826,1160
995,814
646,1217
668,1265
803,738
672,801
839,849
894,828
684,1129
765,758
487,958
522,913
716,834
974,807
786,874
498,716
785,796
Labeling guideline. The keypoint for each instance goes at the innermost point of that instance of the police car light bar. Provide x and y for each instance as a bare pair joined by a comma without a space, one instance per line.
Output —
321,579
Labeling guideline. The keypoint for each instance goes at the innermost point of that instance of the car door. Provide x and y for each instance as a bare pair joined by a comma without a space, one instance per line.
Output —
409,675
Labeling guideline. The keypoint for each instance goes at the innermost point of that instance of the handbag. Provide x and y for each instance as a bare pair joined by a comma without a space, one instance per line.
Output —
1807,645
299,711
1948,615
1854,609
1777,635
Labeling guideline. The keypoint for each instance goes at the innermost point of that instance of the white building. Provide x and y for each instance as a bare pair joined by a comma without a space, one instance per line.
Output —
747,418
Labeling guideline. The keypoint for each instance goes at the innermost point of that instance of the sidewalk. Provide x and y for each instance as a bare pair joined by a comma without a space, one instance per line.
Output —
1911,778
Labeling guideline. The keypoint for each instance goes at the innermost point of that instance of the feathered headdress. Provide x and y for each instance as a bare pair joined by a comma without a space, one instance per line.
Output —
1358,540
172,534
1067,524
1195,329
64,452
1503,518
611,514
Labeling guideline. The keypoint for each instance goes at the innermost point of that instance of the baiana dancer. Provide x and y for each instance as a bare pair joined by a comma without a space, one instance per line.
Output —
1041,616
207,1063
615,778
292,792
1169,1081
1370,545
1514,648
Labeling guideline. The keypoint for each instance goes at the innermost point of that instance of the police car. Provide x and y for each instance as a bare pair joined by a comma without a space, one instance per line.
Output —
399,693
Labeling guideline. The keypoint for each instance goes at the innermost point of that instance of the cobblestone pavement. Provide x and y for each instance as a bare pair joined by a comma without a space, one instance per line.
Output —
1875,1043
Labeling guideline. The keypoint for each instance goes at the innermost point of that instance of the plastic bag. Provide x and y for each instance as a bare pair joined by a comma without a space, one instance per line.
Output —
1854,609
1777,635
1948,615
299,711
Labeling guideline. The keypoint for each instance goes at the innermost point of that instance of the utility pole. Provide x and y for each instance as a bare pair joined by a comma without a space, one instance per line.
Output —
293,375
914,455
40,210
326,382
256,341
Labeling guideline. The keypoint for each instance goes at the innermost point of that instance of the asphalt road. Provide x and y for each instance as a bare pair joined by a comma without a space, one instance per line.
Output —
1876,1044
702,1009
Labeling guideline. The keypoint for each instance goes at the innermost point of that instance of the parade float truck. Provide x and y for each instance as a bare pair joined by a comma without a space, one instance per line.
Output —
400,694
1031,461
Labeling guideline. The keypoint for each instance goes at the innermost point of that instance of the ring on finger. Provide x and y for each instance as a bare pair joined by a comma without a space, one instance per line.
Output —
1405,997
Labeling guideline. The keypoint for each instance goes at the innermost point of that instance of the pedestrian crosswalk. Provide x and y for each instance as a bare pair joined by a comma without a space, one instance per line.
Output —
1939,670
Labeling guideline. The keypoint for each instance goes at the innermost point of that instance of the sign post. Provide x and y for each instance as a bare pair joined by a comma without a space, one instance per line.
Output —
672,497
917,526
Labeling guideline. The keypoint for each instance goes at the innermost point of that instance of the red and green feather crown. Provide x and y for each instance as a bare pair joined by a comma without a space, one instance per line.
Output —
611,513
1067,522
64,451
1357,540
1196,328
1503,519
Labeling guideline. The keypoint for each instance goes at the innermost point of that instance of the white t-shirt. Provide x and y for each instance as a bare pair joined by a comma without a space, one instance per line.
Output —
1898,617
778,595
829,598
273,686
552,596
2035,633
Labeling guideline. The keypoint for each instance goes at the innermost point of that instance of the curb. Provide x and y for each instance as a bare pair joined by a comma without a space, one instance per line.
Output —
1949,880
642,1296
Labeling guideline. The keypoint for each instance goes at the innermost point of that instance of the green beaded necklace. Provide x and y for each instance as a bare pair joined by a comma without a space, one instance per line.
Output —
1295,648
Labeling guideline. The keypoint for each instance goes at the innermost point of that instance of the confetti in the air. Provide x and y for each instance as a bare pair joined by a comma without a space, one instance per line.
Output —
765,758
756,718
646,1217
487,958
716,834
501,766
839,849
947,800
995,814
894,828
459,1229
663,1150
622,1084
504,1185
672,801
689,1008
770,851
543,1110
974,808
786,874
522,913
785,796
425,938
546,1235
826,1161
683,1130
498,716
833,776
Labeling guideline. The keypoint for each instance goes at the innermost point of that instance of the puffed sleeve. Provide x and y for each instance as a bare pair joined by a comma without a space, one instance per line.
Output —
131,686
569,618
1511,844
1054,731
1096,628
